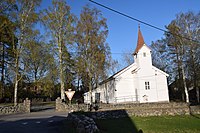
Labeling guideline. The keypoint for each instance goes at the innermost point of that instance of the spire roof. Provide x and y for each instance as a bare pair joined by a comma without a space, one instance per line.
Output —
140,41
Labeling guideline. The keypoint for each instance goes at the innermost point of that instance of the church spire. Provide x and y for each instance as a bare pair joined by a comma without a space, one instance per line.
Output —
140,41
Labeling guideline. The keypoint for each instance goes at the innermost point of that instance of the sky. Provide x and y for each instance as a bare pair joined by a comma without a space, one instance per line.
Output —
122,37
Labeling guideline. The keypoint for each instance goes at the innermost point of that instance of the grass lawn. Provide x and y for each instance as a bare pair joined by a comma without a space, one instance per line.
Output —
161,124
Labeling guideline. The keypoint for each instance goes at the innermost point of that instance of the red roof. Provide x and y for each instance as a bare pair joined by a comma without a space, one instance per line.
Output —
140,42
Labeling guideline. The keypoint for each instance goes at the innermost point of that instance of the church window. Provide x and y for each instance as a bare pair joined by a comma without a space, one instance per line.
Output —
147,86
144,54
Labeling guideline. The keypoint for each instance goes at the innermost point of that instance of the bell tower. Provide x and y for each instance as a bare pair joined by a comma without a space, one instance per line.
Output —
142,53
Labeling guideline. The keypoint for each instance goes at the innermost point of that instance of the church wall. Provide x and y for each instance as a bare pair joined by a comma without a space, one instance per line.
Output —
147,93
106,91
162,88
157,81
125,91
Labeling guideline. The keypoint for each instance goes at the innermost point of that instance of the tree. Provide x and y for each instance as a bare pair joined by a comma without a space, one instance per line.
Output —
175,41
6,6
59,20
93,52
50,82
190,28
162,59
180,50
7,41
114,66
25,18
37,59
127,58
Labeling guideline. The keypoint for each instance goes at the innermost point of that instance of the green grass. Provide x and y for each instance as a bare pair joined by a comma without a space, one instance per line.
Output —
154,124
161,124
168,124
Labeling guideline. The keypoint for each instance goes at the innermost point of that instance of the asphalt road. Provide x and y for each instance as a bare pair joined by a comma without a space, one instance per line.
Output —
36,122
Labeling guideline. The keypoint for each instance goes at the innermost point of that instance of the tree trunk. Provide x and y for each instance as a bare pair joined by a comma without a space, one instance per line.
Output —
184,85
15,90
90,84
90,90
183,75
35,81
195,78
197,93
2,72
179,74
62,90
16,79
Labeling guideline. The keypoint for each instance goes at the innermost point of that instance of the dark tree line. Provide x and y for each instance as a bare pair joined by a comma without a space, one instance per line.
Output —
72,55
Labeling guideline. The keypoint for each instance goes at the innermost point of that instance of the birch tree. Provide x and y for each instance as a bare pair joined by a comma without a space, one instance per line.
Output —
180,47
58,21
189,24
25,17
92,50
175,41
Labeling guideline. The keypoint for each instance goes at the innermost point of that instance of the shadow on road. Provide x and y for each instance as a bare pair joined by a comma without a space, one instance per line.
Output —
37,109
43,106
33,125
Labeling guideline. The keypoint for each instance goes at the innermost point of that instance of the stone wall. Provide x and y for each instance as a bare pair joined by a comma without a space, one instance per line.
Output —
149,109
19,108
83,123
195,109
109,114
136,109
61,106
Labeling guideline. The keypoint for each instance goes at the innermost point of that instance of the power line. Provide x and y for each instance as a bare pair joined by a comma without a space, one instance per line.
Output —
125,15
145,23
119,53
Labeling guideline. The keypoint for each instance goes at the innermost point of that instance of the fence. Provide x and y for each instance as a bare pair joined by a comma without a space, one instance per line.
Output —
124,99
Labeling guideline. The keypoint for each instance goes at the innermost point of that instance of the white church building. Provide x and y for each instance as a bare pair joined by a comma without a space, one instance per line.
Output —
140,82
